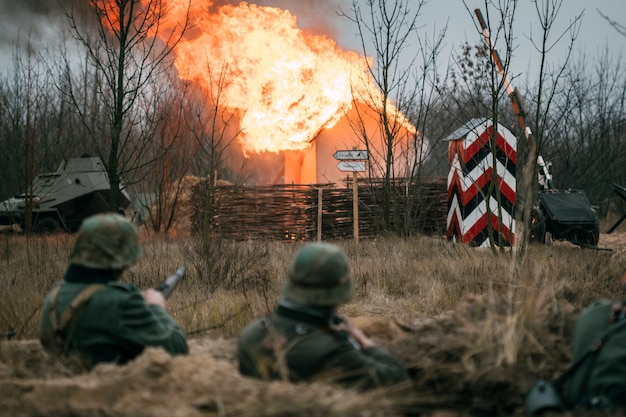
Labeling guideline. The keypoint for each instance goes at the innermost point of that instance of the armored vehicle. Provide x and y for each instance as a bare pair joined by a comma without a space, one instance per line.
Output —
565,215
62,199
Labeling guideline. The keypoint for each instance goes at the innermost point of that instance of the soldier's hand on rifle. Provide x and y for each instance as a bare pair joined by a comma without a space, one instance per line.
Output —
356,334
152,296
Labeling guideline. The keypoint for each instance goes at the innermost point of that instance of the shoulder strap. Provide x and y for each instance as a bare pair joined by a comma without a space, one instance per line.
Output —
52,313
72,314
78,301
594,349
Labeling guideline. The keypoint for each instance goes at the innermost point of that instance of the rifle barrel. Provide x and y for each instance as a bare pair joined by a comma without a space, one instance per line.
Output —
167,287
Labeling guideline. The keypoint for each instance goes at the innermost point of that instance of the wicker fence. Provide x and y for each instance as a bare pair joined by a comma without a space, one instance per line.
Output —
288,212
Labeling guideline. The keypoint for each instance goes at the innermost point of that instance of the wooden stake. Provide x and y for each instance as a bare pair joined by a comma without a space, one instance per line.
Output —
319,214
355,207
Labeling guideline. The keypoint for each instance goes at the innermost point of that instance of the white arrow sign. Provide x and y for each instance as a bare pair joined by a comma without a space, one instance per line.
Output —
351,166
353,155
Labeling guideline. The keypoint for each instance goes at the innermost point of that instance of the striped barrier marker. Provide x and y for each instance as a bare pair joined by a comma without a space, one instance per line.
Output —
472,204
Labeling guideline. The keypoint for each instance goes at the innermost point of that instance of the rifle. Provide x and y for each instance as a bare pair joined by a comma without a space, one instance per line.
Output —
167,287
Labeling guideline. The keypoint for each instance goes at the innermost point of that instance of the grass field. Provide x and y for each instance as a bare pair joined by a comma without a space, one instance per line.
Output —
472,327
230,283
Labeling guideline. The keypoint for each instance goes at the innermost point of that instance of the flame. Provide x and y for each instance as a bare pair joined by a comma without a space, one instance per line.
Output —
285,85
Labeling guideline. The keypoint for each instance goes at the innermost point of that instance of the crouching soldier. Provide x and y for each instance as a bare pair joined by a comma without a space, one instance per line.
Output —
598,375
596,379
304,338
94,315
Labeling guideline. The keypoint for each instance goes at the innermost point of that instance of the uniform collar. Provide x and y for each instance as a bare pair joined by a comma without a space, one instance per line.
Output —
319,316
84,275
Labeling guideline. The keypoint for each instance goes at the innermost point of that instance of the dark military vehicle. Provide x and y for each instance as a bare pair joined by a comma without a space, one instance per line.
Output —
62,199
565,215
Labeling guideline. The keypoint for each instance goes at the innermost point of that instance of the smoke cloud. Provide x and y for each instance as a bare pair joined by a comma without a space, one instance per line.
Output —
316,16
38,23
43,23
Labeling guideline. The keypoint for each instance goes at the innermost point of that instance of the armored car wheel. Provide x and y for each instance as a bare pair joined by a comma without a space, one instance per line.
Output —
593,236
46,225
596,235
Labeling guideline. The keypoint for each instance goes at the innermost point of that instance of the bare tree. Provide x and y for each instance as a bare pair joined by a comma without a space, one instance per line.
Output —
498,87
214,128
127,51
619,27
401,86
589,129
165,161
29,127
549,85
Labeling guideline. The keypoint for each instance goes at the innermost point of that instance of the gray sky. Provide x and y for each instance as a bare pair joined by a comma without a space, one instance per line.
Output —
594,37
38,20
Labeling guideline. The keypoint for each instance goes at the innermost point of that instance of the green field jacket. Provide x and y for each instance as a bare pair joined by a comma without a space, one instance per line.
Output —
292,345
112,325
600,379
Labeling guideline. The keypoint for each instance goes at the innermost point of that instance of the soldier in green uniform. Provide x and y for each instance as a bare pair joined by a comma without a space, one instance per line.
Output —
599,349
94,315
304,339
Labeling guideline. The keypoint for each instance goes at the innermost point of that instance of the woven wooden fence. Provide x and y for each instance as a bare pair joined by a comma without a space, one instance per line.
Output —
288,212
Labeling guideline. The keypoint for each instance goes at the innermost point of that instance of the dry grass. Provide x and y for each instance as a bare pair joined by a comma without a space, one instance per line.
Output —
472,327
230,283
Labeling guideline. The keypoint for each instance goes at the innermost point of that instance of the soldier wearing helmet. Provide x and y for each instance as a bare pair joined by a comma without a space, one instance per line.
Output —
304,338
94,315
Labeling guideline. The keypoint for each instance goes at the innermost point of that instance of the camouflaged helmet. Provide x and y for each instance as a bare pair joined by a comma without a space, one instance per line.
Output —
319,275
106,241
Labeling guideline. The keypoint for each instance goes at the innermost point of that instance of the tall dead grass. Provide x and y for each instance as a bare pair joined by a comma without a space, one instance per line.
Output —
228,284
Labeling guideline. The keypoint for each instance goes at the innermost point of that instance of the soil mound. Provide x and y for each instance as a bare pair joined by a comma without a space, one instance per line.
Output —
458,368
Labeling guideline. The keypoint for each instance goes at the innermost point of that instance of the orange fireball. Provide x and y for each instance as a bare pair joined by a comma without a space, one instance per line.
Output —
285,85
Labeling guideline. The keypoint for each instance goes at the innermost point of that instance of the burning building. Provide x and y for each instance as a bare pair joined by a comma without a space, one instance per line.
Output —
294,92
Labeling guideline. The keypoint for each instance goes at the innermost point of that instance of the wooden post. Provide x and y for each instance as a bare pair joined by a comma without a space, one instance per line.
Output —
319,214
355,207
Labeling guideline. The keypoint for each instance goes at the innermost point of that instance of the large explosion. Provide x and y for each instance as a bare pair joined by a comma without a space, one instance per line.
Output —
285,85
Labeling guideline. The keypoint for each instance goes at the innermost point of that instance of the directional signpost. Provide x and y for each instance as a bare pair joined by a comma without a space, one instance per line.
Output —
352,155
353,161
351,166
